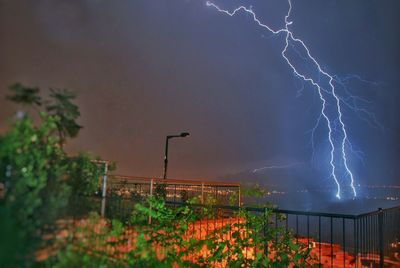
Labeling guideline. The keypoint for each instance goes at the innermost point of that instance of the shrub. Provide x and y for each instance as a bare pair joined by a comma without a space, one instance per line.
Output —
161,236
37,175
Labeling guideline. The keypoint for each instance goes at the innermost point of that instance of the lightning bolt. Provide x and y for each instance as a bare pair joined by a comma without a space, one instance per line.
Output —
256,170
324,83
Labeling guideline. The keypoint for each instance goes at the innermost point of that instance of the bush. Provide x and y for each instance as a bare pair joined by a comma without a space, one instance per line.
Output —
172,239
37,175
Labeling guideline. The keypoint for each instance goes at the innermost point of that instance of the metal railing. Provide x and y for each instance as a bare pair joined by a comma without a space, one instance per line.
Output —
176,190
337,240
126,190
342,240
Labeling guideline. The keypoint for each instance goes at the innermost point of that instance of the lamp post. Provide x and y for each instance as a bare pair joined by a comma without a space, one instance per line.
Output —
182,135
104,184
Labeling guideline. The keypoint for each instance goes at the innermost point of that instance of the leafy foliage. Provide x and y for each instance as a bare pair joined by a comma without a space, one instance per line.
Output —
160,190
66,111
161,236
13,246
38,177
90,246
164,241
84,174
33,171
251,194
25,95
60,105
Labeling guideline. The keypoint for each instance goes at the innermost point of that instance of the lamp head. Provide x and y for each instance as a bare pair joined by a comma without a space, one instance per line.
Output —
184,134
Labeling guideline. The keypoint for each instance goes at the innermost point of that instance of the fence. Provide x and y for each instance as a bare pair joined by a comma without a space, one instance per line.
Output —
340,240
337,240
174,190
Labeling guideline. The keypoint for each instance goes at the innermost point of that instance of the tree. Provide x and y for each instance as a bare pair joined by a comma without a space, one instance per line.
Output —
67,112
60,104
37,174
33,170
25,95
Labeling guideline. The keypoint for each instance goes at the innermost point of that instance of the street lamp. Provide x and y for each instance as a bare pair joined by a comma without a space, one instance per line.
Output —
104,184
182,135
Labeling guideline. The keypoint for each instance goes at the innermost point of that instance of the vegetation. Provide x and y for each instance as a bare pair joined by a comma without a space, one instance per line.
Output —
60,105
37,174
41,180
173,239
252,194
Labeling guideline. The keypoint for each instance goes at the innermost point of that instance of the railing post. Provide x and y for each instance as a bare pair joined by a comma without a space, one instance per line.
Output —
202,193
355,234
151,187
151,195
104,191
265,230
239,197
380,229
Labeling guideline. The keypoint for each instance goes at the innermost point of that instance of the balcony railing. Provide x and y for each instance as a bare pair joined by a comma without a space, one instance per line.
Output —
175,190
337,240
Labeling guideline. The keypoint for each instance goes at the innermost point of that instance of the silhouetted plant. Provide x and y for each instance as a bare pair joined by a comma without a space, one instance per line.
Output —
33,169
25,95
172,240
60,104
38,176
160,190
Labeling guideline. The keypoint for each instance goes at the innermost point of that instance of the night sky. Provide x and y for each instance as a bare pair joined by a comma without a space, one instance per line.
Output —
144,69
